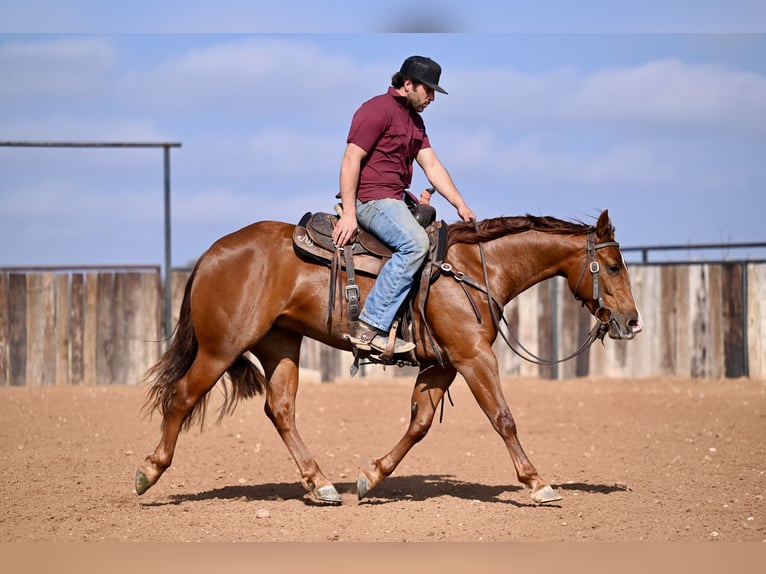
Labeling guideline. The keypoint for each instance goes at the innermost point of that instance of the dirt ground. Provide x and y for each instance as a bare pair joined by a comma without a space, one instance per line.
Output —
635,460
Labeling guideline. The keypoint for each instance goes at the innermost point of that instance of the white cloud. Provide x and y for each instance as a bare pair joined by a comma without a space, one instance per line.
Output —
674,93
261,77
537,160
661,94
54,70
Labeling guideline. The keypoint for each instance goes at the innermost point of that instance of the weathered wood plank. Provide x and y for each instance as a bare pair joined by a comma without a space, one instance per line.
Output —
700,330
90,337
62,328
136,302
5,327
105,336
508,360
122,314
733,320
756,321
41,357
17,336
529,325
544,328
77,309
667,329
644,351
715,314
570,328
148,324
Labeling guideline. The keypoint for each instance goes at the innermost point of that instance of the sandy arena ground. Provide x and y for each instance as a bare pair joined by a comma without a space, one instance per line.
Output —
635,460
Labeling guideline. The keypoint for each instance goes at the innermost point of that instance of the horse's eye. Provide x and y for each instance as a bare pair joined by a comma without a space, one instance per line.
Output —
613,268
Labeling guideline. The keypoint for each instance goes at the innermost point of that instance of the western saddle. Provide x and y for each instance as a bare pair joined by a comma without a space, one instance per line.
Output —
312,241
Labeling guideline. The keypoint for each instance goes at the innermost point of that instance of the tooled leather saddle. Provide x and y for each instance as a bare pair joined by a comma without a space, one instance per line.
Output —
312,241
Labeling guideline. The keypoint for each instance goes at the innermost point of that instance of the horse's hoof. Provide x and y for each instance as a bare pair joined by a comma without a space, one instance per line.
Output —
142,482
327,495
545,494
362,486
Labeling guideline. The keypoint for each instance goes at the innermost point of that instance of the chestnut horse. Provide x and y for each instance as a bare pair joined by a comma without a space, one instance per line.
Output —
251,292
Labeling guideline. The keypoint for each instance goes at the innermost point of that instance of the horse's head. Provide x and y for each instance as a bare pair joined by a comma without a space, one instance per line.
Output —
603,284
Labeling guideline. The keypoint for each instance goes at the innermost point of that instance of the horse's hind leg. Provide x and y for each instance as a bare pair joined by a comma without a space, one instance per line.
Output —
188,391
279,354
429,390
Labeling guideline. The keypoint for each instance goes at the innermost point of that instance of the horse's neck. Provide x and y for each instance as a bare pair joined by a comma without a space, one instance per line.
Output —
525,259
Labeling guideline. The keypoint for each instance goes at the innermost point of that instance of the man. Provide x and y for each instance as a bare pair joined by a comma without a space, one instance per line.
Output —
387,134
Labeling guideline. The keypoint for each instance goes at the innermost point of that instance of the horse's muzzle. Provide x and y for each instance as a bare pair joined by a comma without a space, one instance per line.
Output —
625,327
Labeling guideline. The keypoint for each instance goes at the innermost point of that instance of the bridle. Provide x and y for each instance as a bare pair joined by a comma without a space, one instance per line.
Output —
592,263
603,314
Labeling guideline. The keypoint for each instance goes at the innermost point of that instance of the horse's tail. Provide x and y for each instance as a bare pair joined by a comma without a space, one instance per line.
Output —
245,378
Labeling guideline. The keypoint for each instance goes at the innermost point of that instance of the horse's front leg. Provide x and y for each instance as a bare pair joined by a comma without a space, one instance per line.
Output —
483,378
279,354
429,390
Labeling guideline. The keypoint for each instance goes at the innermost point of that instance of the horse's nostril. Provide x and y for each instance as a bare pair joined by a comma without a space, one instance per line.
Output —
635,325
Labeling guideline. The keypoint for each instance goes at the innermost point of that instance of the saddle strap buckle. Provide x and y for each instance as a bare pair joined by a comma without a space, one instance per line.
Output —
352,293
353,308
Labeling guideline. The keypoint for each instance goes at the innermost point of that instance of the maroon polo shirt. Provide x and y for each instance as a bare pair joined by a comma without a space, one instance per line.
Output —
392,134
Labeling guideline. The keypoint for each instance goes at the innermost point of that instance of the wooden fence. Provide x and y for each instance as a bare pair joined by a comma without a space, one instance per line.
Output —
705,320
104,326
95,326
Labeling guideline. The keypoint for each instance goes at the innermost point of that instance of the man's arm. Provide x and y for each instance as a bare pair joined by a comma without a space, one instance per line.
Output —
440,178
350,166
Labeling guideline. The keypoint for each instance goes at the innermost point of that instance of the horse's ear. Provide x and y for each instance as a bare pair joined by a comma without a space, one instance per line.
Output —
604,228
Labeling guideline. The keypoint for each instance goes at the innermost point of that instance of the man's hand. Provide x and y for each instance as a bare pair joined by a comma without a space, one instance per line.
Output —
345,230
465,213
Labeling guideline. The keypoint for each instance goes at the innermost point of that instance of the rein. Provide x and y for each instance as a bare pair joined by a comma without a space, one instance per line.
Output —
599,330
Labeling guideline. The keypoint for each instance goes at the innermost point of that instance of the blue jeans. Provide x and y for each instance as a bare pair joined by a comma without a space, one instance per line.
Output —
390,221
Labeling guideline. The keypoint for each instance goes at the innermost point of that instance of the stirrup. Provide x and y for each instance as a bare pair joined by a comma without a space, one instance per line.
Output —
370,339
357,343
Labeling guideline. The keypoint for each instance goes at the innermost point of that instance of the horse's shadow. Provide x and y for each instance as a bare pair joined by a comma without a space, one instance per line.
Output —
415,488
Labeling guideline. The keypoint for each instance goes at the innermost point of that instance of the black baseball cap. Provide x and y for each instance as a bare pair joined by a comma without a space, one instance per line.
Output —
424,70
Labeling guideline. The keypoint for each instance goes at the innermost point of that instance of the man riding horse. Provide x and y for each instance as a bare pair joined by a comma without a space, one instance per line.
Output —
387,133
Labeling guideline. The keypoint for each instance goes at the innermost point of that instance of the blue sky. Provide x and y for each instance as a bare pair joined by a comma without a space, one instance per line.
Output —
659,117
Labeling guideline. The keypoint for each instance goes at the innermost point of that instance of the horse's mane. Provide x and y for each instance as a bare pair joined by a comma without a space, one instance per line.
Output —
488,229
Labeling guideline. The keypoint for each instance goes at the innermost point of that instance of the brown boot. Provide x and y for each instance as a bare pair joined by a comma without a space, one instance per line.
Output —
367,337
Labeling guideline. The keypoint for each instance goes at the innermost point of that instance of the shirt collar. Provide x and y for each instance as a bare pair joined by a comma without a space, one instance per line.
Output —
399,98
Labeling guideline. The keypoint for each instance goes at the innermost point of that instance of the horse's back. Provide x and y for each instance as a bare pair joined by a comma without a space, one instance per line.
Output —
258,234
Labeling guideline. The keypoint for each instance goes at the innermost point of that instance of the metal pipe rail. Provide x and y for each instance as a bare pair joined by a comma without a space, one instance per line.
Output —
166,146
